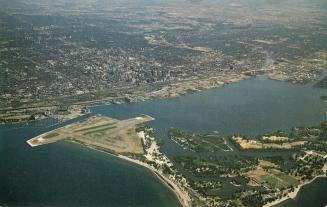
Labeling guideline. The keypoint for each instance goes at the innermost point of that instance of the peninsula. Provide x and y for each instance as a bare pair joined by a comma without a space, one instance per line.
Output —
126,139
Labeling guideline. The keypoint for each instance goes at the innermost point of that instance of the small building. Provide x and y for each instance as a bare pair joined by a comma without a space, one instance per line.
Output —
47,113
85,110
63,109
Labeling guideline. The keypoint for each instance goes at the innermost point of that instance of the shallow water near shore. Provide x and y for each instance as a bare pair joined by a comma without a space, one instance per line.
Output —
66,174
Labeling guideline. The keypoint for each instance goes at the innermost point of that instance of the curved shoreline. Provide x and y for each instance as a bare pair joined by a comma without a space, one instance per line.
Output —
292,195
181,196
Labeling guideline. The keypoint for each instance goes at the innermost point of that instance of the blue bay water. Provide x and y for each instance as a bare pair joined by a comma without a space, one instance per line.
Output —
250,107
65,174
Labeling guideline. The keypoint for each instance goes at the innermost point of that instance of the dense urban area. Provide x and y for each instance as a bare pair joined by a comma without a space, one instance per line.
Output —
61,54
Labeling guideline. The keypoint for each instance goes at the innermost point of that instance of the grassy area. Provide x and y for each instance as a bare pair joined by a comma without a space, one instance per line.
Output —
14,119
249,144
272,178
100,130
198,142
51,135
95,127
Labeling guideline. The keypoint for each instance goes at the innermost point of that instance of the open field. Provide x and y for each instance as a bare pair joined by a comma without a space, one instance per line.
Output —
118,136
267,164
199,142
272,178
275,138
255,144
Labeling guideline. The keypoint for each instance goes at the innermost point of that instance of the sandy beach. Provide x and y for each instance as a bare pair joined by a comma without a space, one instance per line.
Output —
181,195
